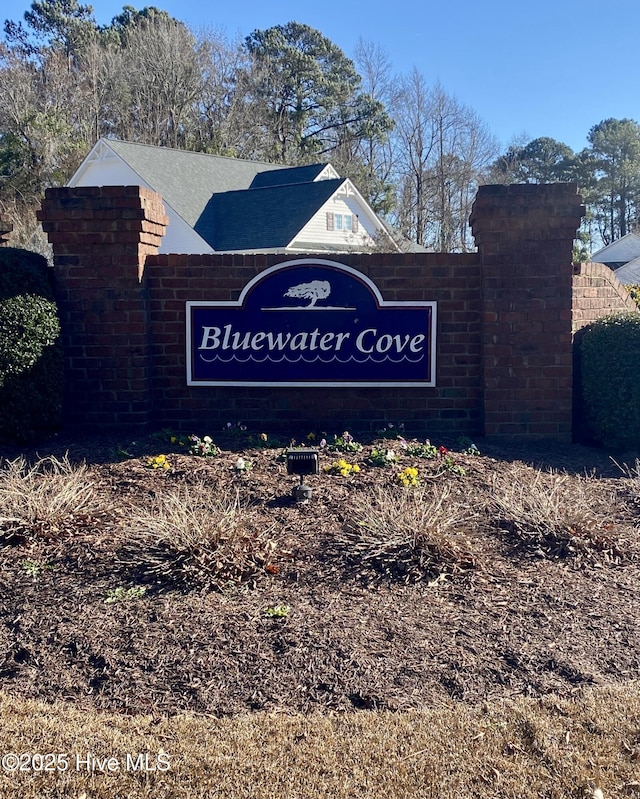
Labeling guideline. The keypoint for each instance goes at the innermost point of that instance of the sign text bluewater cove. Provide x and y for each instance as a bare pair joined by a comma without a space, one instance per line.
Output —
311,323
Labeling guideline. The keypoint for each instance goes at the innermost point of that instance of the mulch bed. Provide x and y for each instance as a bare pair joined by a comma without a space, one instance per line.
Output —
518,623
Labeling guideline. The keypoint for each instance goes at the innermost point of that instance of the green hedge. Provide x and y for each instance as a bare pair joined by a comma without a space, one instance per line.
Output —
30,348
609,376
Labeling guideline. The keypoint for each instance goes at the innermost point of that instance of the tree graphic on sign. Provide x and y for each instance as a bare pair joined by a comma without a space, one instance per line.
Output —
314,290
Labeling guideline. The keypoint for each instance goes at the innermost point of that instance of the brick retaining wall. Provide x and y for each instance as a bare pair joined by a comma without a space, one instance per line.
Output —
596,293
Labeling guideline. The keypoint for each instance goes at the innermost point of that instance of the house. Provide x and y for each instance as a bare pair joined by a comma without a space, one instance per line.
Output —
623,256
219,204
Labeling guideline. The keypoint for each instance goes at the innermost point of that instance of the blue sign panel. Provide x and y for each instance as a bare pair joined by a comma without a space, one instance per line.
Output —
311,323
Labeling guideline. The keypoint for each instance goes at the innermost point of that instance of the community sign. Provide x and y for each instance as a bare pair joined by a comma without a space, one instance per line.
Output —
311,322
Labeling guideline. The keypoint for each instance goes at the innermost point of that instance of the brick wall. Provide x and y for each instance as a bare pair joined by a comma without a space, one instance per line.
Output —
597,292
524,234
504,336
453,406
101,238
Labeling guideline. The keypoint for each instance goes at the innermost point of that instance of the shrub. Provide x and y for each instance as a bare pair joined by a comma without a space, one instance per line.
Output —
30,349
609,370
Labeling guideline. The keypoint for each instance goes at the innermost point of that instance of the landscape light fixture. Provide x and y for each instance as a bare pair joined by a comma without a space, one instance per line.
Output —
303,462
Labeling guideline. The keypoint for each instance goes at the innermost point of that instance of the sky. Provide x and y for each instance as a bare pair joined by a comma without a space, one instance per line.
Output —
528,69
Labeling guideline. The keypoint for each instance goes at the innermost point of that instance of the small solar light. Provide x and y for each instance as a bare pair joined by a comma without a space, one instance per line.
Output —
302,462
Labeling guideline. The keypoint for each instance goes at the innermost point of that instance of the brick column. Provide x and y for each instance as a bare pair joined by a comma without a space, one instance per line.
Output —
525,235
101,237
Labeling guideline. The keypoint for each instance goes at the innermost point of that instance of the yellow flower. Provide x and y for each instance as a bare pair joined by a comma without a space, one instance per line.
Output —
342,467
408,477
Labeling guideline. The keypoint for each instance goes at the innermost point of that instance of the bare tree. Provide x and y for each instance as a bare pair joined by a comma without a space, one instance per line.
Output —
443,150
38,134
227,123
412,109
162,81
368,159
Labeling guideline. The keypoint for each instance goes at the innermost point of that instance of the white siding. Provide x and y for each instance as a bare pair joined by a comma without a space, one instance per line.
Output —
181,237
112,171
107,172
315,231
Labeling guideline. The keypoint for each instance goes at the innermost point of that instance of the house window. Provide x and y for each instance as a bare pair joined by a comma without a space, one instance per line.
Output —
346,222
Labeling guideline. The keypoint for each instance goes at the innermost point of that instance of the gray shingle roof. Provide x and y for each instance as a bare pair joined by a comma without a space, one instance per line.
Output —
263,218
187,179
629,273
291,174
621,250
255,205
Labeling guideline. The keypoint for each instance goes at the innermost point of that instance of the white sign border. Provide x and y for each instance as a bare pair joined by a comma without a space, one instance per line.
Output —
382,303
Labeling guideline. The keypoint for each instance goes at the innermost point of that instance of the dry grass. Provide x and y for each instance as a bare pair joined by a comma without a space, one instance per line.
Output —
555,514
453,663
47,499
557,749
632,482
190,535
409,534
